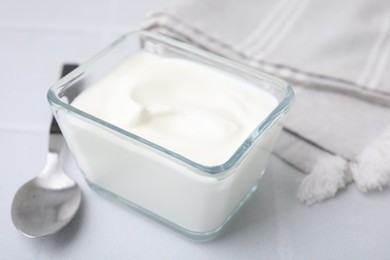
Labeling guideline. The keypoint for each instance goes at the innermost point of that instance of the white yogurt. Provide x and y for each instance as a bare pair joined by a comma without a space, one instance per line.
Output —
182,106
190,109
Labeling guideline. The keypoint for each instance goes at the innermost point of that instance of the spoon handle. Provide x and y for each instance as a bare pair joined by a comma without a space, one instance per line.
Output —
66,69
54,128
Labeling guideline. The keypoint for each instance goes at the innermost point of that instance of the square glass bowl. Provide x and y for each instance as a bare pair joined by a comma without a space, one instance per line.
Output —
192,199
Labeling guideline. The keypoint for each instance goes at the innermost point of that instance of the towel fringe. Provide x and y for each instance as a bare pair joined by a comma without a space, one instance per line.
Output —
329,174
371,168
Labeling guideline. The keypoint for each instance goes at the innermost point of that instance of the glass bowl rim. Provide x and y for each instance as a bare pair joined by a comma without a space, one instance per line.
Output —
283,106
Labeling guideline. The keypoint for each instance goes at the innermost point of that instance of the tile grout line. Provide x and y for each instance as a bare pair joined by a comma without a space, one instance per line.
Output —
43,26
21,130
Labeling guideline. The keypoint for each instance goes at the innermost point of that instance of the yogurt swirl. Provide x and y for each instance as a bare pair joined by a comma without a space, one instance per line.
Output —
195,111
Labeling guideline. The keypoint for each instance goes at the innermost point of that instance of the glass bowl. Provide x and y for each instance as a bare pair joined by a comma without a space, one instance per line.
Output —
193,199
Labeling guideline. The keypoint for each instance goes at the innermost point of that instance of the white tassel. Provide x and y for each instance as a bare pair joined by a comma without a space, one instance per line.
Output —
371,169
328,175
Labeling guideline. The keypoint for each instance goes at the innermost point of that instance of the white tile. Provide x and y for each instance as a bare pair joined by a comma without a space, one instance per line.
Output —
102,15
54,13
129,14
30,62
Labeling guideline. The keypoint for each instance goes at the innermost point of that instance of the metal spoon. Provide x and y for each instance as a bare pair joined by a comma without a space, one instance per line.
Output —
45,204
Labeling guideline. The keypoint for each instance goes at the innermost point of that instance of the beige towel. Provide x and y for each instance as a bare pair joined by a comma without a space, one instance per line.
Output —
337,55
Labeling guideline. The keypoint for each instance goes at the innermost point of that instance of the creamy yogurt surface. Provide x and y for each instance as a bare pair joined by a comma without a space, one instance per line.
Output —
191,109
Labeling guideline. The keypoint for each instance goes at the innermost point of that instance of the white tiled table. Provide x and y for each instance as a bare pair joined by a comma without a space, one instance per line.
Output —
36,37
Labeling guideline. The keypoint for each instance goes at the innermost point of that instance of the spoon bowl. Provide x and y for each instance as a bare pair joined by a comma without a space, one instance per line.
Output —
47,203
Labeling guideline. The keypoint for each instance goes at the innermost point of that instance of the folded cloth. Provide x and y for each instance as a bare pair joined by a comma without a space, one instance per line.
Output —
337,55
